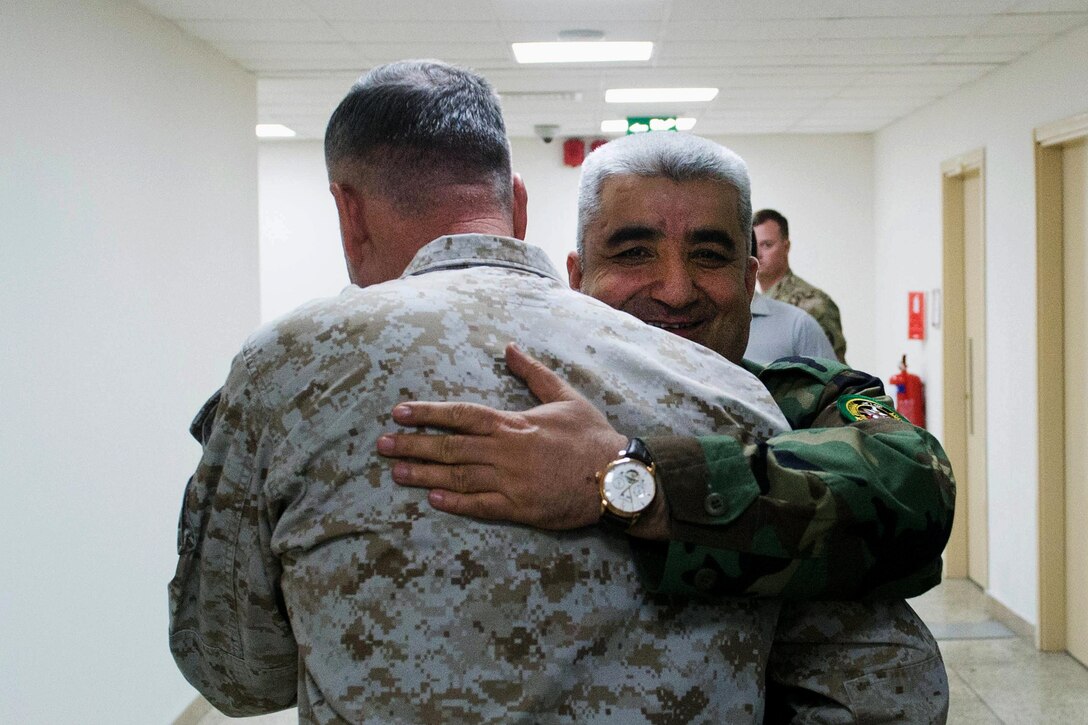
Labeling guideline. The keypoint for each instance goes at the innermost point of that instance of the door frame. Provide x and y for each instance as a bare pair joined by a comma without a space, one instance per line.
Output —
1050,635
954,338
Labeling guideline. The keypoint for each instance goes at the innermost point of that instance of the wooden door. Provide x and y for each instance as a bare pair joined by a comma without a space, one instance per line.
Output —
1075,331
973,479
964,376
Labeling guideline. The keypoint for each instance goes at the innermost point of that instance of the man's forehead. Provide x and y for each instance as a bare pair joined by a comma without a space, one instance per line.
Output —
768,228
655,200
662,192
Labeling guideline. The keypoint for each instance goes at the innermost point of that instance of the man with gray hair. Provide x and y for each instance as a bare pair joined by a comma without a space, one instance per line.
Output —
305,576
854,502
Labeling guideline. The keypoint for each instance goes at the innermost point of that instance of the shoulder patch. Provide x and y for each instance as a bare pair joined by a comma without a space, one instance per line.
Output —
858,407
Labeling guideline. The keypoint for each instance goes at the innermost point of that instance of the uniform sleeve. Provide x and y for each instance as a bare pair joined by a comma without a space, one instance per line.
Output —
830,510
229,632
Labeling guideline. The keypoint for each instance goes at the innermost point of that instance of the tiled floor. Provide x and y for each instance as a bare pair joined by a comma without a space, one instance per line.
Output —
995,677
1003,678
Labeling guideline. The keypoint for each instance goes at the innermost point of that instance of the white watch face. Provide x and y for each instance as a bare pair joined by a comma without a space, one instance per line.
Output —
628,486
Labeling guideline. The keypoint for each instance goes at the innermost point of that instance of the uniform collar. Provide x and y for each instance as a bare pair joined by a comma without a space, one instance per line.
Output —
475,250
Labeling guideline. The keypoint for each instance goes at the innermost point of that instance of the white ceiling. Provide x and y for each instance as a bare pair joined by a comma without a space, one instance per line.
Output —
783,66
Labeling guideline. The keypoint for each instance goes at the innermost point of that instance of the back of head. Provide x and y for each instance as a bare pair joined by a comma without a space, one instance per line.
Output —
676,156
770,215
407,129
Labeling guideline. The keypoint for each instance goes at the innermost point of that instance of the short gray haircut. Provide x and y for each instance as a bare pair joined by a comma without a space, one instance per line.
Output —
408,128
675,156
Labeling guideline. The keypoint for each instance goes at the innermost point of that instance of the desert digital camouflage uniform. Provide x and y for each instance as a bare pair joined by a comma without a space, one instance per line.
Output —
813,300
833,509
306,574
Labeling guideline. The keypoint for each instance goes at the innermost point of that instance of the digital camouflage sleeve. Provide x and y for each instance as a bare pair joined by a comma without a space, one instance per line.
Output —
229,631
833,509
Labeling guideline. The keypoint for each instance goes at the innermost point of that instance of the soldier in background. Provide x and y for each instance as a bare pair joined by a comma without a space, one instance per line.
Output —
306,576
781,330
854,503
778,281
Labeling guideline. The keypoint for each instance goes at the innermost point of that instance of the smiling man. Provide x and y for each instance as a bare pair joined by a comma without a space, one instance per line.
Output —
844,506
673,254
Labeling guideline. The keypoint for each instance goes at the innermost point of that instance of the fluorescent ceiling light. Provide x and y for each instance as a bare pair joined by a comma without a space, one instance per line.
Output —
273,130
659,95
619,125
593,51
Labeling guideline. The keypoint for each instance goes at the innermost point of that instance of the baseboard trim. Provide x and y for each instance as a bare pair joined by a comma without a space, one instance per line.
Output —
1009,618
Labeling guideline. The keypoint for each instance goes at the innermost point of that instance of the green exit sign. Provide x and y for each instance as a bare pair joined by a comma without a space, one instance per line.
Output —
644,124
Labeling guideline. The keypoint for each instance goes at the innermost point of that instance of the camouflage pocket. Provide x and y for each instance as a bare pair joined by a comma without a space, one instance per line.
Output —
916,693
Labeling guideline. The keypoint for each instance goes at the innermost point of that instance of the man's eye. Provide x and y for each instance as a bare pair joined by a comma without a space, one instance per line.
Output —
632,255
710,258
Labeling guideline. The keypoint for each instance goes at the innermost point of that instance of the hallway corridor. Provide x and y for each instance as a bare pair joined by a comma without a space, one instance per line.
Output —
994,675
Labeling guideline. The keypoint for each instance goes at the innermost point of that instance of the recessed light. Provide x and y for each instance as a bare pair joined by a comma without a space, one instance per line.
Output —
582,51
659,95
273,130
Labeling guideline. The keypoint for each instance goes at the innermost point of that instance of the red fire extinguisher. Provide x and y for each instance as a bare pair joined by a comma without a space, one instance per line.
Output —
910,395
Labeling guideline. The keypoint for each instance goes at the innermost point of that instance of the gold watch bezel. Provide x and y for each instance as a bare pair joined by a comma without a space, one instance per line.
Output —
608,509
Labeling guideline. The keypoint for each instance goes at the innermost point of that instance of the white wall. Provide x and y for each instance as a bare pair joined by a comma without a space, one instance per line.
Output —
997,113
822,183
128,224
301,255
824,187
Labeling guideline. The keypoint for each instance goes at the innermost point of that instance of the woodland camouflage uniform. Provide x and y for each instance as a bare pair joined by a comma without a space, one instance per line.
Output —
835,509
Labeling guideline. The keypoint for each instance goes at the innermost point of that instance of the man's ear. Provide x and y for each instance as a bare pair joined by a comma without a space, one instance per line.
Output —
353,230
574,271
521,207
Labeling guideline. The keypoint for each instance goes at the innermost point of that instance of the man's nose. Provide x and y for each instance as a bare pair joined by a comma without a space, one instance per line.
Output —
675,285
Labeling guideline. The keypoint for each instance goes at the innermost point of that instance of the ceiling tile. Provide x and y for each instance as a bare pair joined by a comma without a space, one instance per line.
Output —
801,66
1035,23
1048,6
579,14
403,10
993,59
997,44
316,52
233,10
830,9
469,54
548,30
284,31
363,31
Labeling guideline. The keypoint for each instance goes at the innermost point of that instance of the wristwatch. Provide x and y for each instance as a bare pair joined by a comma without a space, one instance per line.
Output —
628,485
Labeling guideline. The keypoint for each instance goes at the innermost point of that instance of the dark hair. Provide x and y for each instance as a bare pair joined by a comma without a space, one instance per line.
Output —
406,129
770,215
